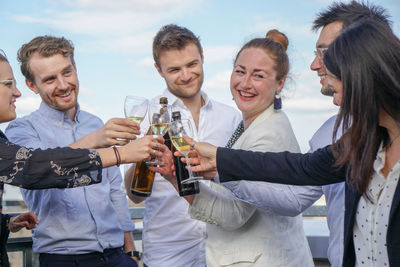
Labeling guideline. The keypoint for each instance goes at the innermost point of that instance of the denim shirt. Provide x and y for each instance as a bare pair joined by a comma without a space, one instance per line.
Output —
78,220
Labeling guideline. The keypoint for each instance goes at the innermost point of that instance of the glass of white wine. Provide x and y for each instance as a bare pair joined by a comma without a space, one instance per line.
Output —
177,130
135,108
159,119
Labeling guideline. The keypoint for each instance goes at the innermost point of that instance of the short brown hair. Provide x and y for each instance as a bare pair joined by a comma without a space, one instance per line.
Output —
173,37
46,46
3,56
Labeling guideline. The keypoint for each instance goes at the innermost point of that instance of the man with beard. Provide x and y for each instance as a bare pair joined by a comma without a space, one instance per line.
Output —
84,226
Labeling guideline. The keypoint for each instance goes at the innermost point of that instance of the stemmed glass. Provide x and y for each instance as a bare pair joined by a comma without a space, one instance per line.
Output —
159,119
177,129
135,108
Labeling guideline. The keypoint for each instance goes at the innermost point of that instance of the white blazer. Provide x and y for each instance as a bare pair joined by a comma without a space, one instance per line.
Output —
238,233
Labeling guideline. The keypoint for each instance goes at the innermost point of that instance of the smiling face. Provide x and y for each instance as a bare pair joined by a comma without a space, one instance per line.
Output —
182,70
8,93
327,36
336,86
253,83
56,80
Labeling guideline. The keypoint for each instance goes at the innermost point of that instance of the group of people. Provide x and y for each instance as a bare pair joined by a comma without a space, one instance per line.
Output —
249,213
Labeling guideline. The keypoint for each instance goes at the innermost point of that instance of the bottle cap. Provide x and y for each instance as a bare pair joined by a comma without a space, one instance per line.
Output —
176,115
163,100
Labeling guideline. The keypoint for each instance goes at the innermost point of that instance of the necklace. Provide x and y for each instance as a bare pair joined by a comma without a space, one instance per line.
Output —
394,139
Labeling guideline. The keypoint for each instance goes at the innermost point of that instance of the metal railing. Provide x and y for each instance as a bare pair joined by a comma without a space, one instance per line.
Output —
318,244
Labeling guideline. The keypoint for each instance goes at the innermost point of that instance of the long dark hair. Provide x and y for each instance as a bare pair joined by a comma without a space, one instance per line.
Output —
366,58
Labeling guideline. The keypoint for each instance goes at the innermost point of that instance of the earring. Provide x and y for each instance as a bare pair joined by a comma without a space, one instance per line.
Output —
277,101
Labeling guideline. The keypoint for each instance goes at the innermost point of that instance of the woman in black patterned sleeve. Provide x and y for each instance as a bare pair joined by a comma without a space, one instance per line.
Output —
59,167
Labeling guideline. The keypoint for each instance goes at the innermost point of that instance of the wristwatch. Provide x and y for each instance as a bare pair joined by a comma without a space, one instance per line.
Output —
133,253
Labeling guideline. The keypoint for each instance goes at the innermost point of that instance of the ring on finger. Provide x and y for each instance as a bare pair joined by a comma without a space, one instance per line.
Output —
153,153
156,145
192,145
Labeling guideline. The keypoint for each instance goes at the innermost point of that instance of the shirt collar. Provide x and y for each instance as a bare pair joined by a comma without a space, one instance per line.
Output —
57,115
175,101
380,158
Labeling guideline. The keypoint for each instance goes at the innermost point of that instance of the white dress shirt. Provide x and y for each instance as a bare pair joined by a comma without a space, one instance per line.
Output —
170,236
372,216
238,233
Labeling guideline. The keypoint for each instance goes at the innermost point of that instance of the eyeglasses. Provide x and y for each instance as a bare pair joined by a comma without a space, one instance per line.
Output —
319,53
11,84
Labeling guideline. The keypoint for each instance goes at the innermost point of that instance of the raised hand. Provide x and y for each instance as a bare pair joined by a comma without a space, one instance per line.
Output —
204,156
27,220
145,148
168,170
116,131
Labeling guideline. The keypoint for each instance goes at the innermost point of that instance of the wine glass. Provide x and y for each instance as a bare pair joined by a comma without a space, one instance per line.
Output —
177,129
135,108
159,119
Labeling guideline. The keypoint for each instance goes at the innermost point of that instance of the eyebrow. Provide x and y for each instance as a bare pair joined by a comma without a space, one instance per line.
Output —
255,70
46,78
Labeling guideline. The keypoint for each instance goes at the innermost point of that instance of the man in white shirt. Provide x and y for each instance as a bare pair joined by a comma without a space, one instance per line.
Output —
170,236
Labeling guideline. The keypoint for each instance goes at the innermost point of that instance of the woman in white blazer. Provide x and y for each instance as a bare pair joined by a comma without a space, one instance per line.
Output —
271,232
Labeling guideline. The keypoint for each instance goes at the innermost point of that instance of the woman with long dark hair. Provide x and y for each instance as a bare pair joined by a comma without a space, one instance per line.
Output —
364,72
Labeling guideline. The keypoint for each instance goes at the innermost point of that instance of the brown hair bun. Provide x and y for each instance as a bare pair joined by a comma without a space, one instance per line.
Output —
278,37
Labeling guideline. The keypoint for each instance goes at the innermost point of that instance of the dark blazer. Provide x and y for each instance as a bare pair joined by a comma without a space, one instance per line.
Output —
308,169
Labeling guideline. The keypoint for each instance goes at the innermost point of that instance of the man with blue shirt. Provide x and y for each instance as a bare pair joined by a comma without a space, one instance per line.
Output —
82,226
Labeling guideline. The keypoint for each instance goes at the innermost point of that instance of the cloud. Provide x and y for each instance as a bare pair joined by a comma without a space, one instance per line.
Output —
112,18
26,105
214,54
146,62
263,24
218,81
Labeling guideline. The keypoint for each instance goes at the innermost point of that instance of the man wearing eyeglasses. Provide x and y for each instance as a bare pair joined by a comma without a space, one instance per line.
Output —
332,21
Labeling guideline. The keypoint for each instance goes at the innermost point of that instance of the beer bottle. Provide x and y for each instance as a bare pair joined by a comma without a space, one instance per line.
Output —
143,178
181,171
164,113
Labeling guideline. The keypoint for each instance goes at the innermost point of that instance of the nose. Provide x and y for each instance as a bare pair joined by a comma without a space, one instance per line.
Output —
185,74
316,64
16,93
62,83
246,81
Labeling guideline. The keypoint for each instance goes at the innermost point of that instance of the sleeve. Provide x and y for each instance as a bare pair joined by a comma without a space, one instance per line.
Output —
217,205
118,198
277,199
285,200
50,168
284,167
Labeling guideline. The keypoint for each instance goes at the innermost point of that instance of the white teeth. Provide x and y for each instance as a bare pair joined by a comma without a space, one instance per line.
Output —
67,93
244,94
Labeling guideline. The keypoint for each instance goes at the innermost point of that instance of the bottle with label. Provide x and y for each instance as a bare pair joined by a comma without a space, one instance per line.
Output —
164,112
181,171
143,178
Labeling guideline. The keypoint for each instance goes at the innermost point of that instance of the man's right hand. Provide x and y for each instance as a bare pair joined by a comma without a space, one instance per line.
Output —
116,131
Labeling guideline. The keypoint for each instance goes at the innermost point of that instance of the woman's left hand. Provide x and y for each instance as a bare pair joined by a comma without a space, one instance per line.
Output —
27,220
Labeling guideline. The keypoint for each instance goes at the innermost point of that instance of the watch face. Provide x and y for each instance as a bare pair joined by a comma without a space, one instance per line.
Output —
134,254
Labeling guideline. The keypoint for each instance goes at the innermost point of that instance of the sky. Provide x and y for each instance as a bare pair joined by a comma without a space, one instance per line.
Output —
113,41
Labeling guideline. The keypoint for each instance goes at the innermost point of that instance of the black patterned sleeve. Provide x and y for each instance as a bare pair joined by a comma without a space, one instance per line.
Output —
50,168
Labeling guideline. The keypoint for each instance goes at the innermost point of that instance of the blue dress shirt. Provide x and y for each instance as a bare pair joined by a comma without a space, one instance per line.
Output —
78,220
